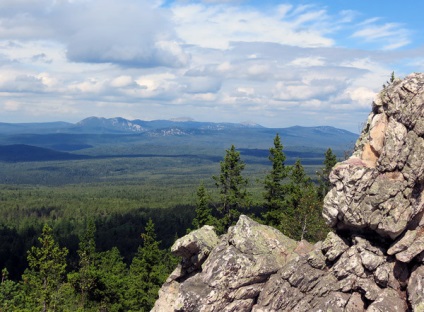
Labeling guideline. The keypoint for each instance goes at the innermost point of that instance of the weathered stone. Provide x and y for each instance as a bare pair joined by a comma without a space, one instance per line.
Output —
388,300
333,246
235,269
195,247
395,138
316,259
377,132
355,303
416,289
349,264
250,237
411,245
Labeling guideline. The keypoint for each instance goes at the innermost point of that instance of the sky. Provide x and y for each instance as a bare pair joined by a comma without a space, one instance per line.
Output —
275,63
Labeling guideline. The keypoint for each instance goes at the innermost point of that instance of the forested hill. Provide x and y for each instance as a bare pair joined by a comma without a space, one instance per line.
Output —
22,152
67,137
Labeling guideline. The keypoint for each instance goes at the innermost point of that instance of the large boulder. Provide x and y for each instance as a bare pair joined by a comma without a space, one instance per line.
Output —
374,259
234,273
379,188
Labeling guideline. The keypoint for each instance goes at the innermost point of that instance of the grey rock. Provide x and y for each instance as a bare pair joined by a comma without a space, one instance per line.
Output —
195,247
355,303
409,246
234,271
333,246
416,289
376,188
389,300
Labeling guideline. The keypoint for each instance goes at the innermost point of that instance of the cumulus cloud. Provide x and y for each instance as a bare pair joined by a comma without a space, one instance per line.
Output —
128,33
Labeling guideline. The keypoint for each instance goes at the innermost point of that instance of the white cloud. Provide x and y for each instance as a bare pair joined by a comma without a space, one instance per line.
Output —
122,81
11,105
217,26
308,61
389,35
363,96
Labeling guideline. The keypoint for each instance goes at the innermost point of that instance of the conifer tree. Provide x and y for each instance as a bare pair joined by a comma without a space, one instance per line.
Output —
47,265
112,282
148,271
232,188
323,175
10,293
85,280
203,209
302,217
275,190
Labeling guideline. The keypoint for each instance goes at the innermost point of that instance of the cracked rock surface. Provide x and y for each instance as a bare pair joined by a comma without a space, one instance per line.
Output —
374,259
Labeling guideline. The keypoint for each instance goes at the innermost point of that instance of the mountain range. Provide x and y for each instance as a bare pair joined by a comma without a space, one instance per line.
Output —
96,136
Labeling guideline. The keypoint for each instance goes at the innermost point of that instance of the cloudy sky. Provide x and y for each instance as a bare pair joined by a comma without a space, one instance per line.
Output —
276,63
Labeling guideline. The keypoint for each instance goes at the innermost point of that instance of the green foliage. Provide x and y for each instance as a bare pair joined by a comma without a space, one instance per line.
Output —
301,218
275,189
47,265
203,210
10,293
148,271
232,188
112,274
323,175
85,281
98,276
391,80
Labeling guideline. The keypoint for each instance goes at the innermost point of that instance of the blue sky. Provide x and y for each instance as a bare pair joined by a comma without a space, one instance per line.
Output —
276,63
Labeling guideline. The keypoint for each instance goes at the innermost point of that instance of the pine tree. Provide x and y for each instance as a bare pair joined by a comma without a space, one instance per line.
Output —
232,188
275,190
47,265
323,175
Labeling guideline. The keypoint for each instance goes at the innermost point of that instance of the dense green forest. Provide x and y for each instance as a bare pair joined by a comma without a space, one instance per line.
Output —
79,243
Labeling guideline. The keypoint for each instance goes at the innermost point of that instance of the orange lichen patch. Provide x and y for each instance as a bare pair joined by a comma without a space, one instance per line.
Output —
369,156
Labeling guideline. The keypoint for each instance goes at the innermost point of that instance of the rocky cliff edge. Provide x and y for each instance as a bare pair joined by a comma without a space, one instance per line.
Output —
373,261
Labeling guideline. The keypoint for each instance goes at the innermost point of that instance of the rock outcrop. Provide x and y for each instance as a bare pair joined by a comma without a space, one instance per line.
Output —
373,261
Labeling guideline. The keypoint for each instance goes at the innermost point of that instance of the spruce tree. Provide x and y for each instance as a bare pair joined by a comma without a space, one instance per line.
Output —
112,282
148,271
302,216
275,190
203,209
47,265
323,175
85,281
10,293
232,189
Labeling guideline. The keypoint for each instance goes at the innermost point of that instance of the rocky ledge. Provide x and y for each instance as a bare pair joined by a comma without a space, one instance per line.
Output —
373,261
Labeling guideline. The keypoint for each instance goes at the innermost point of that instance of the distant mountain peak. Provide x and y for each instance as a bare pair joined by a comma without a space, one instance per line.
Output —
116,124
182,119
250,123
